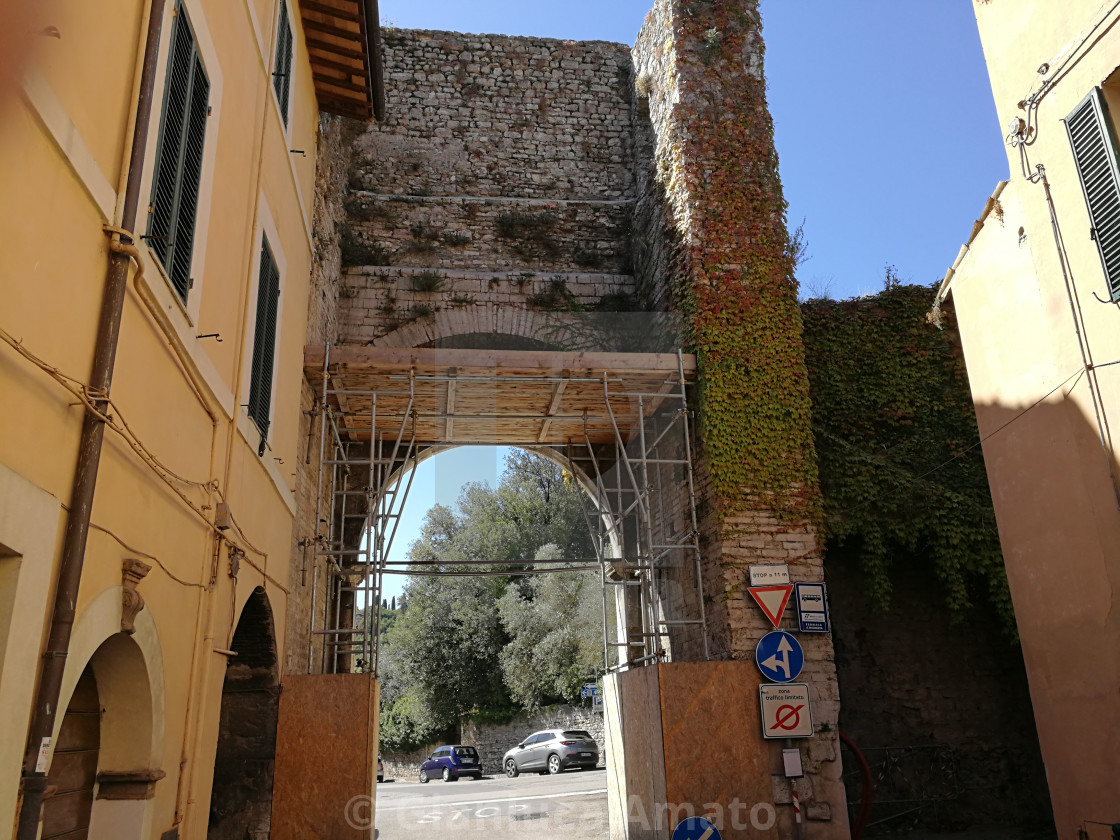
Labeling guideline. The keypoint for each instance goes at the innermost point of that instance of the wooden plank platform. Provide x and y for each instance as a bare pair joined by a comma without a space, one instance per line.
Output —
495,396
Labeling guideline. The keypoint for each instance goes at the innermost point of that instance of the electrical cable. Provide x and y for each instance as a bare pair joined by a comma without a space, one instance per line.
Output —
909,476
145,555
1078,373
87,398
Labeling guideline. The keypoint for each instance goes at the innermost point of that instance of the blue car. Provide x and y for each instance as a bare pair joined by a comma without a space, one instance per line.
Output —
450,763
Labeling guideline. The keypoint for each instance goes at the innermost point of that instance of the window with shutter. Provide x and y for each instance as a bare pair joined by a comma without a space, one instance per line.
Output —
264,341
1094,152
178,171
282,69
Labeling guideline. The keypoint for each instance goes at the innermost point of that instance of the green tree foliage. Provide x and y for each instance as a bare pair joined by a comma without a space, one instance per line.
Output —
556,635
445,653
901,470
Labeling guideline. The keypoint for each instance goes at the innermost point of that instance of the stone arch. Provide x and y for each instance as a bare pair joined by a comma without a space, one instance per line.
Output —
244,763
128,673
481,320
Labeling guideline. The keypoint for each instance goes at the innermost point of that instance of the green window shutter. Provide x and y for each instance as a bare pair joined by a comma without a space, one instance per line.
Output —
1094,152
264,341
282,69
178,171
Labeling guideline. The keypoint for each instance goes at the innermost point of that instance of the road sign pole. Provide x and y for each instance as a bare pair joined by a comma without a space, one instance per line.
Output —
794,771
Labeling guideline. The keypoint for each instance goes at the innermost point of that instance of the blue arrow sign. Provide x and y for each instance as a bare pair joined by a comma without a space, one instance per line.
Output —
779,657
695,828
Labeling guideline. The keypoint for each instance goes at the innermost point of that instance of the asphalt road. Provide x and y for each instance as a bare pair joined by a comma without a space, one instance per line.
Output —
571,806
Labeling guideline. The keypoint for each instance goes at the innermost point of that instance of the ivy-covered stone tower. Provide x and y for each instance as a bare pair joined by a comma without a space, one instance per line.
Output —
712,197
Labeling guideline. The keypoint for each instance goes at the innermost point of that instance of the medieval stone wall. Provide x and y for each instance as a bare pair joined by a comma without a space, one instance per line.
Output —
439,303
500,181
490,115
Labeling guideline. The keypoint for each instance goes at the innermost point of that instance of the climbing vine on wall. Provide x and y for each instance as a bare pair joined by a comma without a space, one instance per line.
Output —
902,477
738,288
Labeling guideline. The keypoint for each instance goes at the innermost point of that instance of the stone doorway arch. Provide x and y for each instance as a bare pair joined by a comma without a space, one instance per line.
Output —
244,765
104,746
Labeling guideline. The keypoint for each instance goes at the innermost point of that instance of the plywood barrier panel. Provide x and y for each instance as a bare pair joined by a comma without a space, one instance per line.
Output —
325,761
636,777
714,753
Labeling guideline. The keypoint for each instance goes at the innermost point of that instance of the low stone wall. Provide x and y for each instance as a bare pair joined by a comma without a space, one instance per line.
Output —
405,766
492,740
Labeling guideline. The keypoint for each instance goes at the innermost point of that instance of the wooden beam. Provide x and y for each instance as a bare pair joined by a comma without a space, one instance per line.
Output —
359,358
450,430
331,64
333,49
344,108
354,35
553,407
341,83
350,11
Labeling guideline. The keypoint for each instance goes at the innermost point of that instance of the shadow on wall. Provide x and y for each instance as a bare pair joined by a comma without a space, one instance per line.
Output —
943,708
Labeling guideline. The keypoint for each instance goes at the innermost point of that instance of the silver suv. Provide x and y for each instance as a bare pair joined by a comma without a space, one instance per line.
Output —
551,751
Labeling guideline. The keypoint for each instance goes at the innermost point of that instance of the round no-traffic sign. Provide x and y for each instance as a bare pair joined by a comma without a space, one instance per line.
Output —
779,656
695,828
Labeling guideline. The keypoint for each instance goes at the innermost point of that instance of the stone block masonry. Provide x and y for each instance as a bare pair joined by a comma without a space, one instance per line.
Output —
499,116
713,200
493,233
499,185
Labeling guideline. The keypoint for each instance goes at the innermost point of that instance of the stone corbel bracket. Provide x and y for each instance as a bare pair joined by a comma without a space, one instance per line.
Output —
140,784
132,572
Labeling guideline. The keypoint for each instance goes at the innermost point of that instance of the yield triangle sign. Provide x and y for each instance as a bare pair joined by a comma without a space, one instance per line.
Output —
772,599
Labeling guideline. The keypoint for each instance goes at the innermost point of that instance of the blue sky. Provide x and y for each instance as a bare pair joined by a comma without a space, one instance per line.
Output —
439,480
885,126
884,120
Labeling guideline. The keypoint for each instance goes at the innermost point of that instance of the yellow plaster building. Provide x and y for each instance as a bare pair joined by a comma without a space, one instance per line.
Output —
1035,290
169,144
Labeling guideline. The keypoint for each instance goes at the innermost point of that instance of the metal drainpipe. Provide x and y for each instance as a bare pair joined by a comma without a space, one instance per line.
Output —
34,778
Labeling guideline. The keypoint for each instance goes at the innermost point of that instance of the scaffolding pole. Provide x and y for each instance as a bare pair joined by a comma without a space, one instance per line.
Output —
637,460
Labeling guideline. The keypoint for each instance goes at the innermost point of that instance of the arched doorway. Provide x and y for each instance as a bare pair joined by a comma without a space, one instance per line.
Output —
68,806
244,767
102,777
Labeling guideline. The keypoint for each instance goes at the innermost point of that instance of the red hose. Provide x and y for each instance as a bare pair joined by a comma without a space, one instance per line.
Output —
867,795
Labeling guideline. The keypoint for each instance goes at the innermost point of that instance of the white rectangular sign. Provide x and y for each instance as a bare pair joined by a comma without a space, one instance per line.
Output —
812,608
785,711
772,575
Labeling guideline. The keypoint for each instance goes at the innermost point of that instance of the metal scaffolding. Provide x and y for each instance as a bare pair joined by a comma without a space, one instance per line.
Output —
620,421
641,547
366,497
